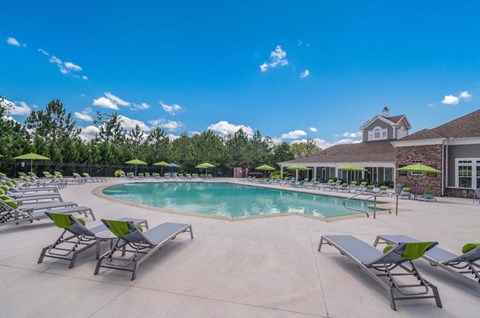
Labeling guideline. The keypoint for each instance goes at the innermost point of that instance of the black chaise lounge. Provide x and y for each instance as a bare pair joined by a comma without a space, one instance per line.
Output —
395,261
133,241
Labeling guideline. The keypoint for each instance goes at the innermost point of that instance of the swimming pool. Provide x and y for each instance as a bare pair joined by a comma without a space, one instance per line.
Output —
230,200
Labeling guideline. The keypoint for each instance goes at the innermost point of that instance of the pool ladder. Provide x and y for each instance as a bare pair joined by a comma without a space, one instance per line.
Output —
374,196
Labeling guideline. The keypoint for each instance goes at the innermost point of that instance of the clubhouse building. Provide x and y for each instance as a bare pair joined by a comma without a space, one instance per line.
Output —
453,148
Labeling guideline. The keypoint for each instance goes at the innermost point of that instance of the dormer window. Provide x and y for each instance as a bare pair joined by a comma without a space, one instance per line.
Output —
377,133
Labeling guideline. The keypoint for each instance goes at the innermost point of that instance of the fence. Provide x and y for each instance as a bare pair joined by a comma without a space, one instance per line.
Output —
13,167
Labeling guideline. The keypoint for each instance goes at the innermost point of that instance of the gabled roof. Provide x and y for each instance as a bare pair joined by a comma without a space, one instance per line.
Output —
462,127
422,134
392,120
367,151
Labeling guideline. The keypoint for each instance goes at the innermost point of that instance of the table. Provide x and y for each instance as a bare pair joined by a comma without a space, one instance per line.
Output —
107,235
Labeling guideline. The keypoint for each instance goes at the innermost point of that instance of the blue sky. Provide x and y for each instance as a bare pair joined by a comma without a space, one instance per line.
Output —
292,69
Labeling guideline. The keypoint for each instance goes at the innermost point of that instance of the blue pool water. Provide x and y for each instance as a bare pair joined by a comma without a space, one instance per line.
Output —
230,200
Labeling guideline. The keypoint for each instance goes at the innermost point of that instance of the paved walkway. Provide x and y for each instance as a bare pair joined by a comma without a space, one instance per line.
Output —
265,267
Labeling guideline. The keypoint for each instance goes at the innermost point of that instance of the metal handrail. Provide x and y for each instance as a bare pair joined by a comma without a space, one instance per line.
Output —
366,199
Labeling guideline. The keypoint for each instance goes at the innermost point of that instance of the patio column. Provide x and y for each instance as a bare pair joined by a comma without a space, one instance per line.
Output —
281,172
314,173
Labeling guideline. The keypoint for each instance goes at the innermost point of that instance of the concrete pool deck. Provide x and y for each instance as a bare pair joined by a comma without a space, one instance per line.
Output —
260,267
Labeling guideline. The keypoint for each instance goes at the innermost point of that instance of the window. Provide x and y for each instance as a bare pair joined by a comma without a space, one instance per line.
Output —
467,173
377,134
416,173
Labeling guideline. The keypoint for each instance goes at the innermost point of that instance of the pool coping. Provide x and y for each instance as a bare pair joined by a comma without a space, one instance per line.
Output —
98,192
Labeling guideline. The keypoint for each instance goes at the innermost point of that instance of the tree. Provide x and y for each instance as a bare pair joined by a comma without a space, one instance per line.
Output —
111,130
282,152
304,149
53,123
237,150
157,145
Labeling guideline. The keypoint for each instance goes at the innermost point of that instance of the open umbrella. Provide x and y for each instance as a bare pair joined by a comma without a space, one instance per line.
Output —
297,168
31,156
265,168
419,168
173,165
161,164
351,167
136,162
205,166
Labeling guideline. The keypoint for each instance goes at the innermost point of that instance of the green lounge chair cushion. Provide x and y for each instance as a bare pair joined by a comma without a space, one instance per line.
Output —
63,220
469,246
429,191
4,187
383,188
11,203
119,228
406,190
412,250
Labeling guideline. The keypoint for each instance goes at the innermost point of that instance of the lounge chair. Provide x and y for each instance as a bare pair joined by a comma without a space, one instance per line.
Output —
146,243
476,195
427,196
11,212
362,187
383,191
465,264
395,257
406,192
75,238
130,175
31,197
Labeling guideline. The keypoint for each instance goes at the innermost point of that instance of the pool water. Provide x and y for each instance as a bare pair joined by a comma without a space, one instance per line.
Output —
231,200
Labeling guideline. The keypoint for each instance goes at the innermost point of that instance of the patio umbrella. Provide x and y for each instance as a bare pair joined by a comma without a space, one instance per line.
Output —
351,167
419,168
173,165
297,167
265,168
161,164
31,156
136,162
205,166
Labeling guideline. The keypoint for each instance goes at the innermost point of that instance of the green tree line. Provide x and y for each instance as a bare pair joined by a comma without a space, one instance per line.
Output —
54,133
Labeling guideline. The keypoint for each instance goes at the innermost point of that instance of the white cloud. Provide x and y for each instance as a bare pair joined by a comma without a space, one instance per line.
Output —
71,66
304,74
55,59
193,133
14,42
84,115
140,106
454,100
352,134
465,95
89,132
110,101
169,125
313,129
64,68
171,109
277,58
129,123
117,100
295,134
450,100
105,103
20,108
173,137
321,143
43,52
346,141
224,128
264,67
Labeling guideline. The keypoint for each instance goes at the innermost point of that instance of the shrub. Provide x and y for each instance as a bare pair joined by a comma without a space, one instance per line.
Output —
118,172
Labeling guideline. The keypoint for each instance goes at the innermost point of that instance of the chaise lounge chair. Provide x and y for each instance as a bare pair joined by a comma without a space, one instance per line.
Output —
406,192
395,257
146,243
75,238
428,195
465,264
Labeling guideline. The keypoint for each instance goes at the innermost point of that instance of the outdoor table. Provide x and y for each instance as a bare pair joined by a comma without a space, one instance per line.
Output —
107,235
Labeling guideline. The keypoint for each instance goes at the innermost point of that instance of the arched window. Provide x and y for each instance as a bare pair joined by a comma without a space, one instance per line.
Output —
377,133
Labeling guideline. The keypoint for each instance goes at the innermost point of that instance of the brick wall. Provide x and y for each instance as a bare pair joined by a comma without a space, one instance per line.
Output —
431,156
455,192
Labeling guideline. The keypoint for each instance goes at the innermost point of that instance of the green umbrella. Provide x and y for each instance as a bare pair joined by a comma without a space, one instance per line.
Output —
265,168
351,167
136,162
297,167
419,168
205,166
31,156
161,164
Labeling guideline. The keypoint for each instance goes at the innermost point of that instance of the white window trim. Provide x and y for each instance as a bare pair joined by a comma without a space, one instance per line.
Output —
475,166
371,133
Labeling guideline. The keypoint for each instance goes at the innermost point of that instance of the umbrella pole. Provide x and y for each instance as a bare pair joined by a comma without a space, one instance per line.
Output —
296,175
31,165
